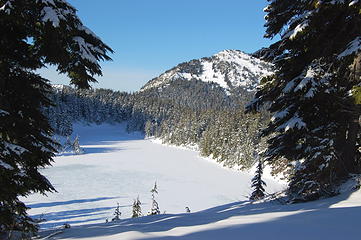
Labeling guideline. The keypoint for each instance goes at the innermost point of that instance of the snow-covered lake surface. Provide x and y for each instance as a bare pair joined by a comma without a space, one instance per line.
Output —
117,167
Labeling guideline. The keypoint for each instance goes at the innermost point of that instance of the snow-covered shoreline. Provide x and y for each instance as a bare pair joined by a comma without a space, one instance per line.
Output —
266,171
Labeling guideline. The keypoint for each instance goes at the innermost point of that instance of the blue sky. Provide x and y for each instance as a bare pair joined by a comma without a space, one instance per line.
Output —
151,36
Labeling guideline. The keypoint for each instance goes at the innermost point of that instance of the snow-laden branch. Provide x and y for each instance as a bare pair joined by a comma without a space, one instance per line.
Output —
353,47
7,7
5,165
294,122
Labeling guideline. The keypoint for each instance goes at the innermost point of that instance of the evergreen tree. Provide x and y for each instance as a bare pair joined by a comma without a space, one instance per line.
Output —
257,183
67,145
76,146
137,210
32,34
117,213
315,125
155,208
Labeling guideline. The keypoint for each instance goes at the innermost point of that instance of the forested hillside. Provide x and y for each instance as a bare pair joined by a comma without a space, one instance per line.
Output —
185,113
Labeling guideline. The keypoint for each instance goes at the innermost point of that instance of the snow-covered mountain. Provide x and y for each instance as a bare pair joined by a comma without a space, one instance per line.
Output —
229,68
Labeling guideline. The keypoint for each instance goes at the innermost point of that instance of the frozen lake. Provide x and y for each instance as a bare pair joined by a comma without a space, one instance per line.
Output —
117,167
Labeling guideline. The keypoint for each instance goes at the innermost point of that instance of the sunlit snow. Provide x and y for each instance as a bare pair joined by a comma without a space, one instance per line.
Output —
117,167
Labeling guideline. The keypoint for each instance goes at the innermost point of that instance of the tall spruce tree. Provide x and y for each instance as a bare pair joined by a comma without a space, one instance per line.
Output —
155,207
33,34
315,126
257,183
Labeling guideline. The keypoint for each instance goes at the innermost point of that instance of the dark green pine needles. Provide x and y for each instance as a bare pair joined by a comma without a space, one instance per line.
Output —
315,129
32,34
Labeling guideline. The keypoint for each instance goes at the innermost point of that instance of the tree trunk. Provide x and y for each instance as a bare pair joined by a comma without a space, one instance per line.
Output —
350,152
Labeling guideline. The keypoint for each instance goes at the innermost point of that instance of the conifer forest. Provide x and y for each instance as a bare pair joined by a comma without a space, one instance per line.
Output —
224,146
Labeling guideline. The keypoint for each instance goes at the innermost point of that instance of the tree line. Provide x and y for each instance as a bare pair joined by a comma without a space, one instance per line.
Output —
178,115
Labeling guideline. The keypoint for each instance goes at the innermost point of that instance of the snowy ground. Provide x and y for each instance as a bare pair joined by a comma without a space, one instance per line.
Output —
332,219
117,167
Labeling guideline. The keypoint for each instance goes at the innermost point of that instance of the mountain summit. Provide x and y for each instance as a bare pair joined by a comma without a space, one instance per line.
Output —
229,69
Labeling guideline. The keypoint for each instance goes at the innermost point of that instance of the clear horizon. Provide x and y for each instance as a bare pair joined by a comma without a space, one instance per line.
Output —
151,37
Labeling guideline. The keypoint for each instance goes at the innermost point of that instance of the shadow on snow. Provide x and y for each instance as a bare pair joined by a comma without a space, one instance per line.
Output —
71,214
52,204
315,220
